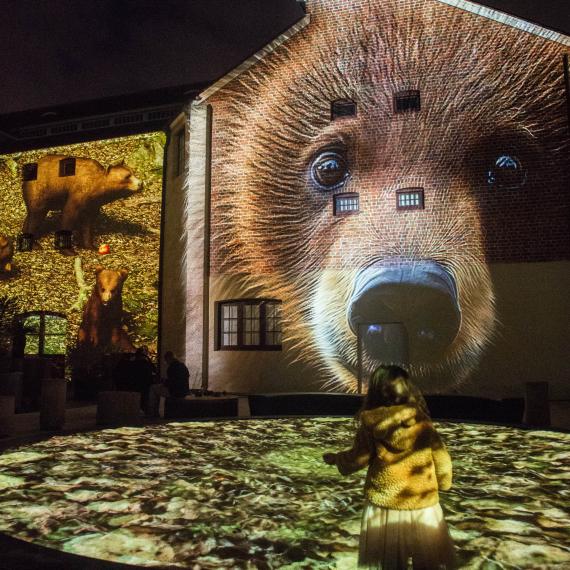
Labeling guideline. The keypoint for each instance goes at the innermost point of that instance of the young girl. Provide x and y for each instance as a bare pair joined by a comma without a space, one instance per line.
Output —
402,522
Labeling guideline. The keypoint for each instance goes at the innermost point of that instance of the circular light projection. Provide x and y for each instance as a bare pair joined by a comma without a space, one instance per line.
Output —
256,494
506,172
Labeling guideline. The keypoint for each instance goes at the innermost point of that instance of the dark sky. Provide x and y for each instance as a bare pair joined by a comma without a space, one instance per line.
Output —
55,52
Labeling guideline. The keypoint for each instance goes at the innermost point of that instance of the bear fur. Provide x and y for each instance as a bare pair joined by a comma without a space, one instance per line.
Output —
6,255
79,197
486,89
101,326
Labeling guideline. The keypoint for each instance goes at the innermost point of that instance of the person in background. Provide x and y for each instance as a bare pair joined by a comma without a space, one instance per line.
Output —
174,385
408,464
143,373
177,376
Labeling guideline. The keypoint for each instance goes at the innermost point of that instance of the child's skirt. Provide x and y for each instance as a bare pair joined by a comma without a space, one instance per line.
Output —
405,539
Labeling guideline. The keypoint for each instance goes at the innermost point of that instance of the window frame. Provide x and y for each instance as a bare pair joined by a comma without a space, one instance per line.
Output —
407,95
420,206
346,195
22,317
241,346
30,172
339,108
67,167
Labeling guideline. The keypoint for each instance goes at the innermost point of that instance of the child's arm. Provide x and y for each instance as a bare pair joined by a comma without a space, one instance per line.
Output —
355,458
442,462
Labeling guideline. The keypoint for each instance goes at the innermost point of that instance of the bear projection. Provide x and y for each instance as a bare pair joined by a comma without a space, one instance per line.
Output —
372,171
76,186
101,326
6,255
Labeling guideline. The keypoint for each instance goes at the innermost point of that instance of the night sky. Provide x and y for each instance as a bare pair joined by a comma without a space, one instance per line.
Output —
64,51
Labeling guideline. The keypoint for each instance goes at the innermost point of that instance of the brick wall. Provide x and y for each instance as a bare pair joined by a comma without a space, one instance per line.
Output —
489,147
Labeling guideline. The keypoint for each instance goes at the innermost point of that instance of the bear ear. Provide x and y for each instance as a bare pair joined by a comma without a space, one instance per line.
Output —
124,274
98,269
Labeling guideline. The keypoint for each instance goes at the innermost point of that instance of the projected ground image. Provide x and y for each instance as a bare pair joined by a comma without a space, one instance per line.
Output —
255,494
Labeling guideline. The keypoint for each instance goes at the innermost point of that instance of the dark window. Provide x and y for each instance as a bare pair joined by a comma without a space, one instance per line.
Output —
346,204
248,324
180,149
342,108
45,333
67,167
410,199
30,171
407,101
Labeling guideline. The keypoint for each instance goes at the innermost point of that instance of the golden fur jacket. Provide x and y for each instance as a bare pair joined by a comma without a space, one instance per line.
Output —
406,459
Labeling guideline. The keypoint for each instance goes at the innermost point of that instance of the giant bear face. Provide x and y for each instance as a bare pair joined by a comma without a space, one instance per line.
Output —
489,131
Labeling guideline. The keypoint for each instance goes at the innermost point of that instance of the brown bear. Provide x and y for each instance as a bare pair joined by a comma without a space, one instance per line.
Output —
6,255
450,154
76,186
101,325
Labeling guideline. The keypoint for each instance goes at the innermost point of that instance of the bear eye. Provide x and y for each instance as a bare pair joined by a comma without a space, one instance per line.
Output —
506,172
330,169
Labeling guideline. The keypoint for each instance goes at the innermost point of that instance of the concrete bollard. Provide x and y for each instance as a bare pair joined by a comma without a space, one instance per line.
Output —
52,403
537,405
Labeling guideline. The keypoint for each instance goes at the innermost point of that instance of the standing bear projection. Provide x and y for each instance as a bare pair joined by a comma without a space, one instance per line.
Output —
101,326
76,186
387,167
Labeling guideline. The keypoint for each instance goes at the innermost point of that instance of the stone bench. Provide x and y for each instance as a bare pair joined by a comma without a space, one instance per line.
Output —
118,408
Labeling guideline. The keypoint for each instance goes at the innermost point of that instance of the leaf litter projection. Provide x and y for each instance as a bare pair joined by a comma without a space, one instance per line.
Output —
255,494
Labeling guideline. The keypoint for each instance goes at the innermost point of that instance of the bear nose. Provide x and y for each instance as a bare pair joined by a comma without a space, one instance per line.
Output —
420,295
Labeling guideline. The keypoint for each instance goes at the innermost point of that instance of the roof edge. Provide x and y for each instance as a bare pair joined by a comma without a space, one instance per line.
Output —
509,20
251,61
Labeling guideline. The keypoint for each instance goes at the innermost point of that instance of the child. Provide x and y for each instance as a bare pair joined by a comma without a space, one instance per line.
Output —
402,522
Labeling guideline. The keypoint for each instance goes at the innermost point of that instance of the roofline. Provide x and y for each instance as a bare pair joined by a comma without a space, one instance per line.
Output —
509,20
250,61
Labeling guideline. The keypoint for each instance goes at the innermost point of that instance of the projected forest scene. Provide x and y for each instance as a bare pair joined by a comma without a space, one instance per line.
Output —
83,227
397,173
256,494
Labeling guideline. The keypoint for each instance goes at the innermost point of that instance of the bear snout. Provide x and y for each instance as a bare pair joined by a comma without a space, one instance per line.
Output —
405,302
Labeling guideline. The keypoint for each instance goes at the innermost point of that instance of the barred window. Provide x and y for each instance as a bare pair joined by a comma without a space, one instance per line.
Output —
248,324
410,199
346,204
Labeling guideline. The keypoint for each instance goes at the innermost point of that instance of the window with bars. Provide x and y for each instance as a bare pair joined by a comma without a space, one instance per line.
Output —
346,204
30,171
410,199
67,167
45,333
407,101
249,324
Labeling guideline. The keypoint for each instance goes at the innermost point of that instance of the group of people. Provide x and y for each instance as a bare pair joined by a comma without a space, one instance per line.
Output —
402,524
135,372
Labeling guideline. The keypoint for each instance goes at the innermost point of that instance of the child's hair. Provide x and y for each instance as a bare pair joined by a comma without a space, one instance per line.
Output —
391,386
